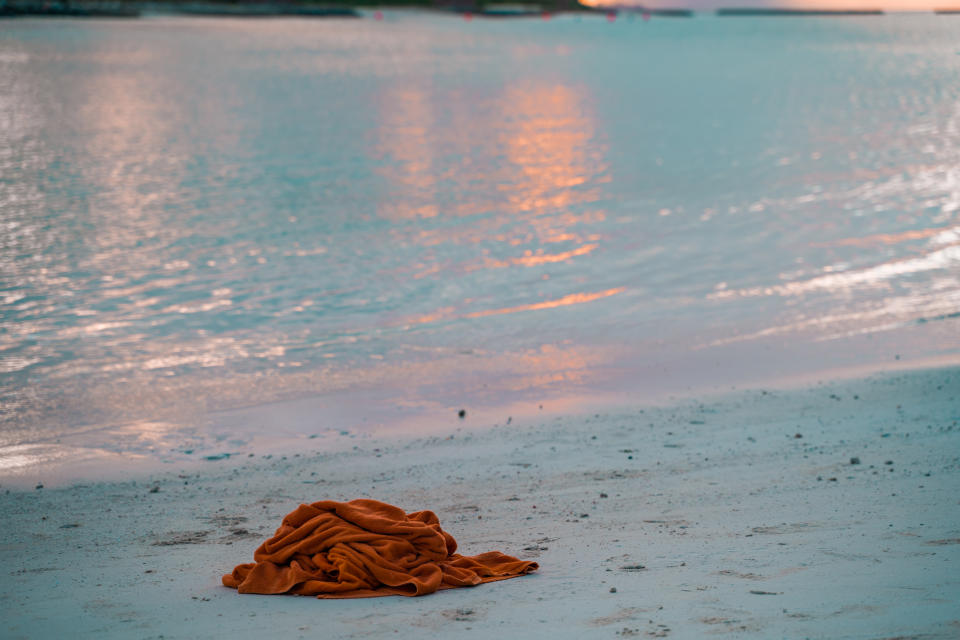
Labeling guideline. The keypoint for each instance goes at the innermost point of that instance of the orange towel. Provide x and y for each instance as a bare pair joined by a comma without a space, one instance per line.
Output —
363,549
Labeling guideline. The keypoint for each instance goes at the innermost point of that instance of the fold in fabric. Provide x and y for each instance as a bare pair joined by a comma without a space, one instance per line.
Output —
364,549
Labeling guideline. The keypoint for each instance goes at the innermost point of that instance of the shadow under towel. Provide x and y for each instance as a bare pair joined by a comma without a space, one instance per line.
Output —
363,549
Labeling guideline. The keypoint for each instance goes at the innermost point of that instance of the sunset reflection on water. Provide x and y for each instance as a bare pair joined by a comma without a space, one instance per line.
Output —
520,189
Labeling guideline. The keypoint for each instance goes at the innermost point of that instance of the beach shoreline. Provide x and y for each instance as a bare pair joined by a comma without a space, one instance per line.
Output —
336,421
827,511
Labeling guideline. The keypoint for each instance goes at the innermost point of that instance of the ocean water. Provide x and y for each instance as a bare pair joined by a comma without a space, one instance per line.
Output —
375,221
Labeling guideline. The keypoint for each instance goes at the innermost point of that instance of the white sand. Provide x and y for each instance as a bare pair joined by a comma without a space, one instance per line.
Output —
741,528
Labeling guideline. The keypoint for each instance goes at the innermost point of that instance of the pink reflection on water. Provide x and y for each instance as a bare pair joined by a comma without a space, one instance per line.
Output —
404,137
448,313
534,259
548,138
438,155
522,196
573,298
888,238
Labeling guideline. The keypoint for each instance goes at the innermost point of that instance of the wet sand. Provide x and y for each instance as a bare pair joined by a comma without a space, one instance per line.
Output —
829,511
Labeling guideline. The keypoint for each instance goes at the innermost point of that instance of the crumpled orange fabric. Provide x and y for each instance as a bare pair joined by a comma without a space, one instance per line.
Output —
363,549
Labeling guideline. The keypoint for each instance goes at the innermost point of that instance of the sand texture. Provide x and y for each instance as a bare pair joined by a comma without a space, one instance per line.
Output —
825,512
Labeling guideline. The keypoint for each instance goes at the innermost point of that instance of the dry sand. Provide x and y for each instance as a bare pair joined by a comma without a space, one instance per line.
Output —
735,516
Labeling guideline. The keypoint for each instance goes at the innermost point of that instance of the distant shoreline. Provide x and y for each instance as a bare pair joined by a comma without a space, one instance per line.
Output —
758,11
140,9
353,9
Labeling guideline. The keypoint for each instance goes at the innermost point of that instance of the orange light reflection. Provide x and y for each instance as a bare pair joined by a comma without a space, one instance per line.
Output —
549,139
573,298
886,238
407,118
447,313
530,259
439,162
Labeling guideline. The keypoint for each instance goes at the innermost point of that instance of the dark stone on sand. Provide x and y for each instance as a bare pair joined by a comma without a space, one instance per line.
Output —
462,413
854,460
633,567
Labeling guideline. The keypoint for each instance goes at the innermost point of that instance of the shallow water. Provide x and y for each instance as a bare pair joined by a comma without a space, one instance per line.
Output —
425,213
